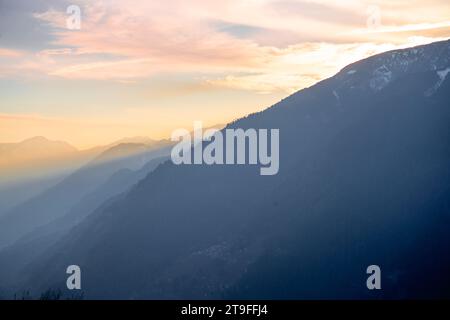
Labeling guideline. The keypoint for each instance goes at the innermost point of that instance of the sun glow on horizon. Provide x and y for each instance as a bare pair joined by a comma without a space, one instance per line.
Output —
144,68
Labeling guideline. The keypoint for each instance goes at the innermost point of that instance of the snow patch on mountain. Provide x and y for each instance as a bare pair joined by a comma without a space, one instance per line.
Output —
442,75
382,77
336,95
377,72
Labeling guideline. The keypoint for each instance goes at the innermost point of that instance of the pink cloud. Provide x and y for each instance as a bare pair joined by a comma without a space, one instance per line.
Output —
10,53
129,40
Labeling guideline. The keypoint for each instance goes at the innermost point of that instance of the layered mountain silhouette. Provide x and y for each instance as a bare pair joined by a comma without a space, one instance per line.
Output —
58,200
29,167
22,165
36,242
33,149
36,151
364,179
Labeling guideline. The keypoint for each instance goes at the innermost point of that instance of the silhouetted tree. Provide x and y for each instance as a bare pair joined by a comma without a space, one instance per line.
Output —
51,294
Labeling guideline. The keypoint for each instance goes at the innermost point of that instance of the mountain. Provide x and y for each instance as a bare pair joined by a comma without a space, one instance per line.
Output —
47,154
364,179
34,243
13,194
16,156
36,151
36,164
35,148
56,201
137,139
22,165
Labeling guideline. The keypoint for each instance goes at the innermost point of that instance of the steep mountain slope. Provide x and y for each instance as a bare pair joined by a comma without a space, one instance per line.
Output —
13,194
364,179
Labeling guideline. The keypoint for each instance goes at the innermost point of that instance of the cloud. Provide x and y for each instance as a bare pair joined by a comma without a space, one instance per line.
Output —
139,67
302,65
403,28
10,53
255,45
118,70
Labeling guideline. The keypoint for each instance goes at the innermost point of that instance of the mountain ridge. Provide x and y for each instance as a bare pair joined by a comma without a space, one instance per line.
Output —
363,179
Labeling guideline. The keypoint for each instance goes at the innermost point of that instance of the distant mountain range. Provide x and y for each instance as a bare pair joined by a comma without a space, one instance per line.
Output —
364,179
30,167
35,148
56,201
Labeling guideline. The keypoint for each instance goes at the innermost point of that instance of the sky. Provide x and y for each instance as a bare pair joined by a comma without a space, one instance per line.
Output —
145,68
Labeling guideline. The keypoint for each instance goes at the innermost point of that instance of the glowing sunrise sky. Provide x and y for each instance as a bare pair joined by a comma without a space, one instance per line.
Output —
144,68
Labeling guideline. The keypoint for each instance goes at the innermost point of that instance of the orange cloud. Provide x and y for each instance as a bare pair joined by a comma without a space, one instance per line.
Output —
9,53
132,40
